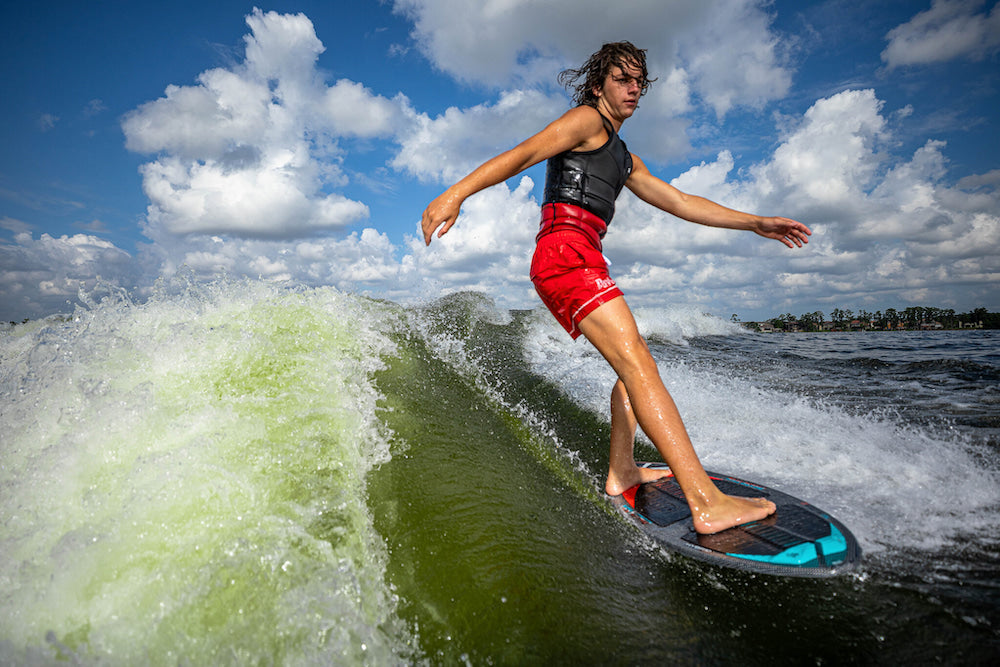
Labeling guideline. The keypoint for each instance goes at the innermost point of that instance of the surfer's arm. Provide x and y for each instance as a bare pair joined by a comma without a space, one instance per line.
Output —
569,131
693,208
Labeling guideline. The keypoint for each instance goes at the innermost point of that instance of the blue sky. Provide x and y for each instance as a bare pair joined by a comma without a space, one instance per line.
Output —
300,142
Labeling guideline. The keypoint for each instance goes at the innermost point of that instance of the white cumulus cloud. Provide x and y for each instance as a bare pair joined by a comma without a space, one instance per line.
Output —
249,169
445,148
45,275
519,43
949,30
253,151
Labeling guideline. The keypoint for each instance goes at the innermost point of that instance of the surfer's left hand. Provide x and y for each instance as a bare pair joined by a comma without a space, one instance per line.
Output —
790,232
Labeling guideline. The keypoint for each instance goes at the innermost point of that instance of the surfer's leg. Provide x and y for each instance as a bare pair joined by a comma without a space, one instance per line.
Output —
612,330
623,473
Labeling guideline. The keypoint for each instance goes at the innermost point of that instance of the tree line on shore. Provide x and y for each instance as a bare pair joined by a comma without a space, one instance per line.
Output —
912,318
909,319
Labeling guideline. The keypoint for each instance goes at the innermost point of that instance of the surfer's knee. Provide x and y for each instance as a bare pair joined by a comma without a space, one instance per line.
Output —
634,362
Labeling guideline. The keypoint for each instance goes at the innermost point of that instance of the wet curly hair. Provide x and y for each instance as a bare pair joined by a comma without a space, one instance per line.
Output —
592,74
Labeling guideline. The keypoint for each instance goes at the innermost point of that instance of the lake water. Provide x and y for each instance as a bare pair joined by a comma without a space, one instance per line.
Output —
238,473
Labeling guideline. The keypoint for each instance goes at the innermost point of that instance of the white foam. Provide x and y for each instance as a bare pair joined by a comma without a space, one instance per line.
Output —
895,485
165,466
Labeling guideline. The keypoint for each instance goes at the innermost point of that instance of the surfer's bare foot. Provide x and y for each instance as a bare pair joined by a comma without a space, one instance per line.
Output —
619,483
730,511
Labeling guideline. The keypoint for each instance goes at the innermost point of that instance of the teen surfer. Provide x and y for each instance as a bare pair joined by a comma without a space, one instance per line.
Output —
588,166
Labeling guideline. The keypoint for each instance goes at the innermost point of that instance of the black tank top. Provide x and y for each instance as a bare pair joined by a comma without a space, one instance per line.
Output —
591,180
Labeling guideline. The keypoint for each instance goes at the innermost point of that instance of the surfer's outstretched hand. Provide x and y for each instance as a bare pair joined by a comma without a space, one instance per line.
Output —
790,232
440,213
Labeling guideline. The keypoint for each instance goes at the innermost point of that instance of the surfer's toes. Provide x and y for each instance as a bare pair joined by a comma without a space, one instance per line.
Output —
762,508
742,511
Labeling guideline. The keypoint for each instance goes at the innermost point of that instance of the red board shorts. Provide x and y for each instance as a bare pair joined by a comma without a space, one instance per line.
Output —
568,269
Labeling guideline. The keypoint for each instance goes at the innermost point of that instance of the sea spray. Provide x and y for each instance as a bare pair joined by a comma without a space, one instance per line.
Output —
473,542
183,481
483,344
760,406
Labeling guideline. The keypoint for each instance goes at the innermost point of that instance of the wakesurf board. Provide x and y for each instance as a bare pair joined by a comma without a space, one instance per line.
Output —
798,540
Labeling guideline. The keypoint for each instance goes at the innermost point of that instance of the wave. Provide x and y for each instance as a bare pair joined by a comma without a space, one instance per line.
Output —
185,479
241,472
866,449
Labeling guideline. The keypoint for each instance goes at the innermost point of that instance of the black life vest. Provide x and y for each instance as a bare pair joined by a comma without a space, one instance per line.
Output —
591,180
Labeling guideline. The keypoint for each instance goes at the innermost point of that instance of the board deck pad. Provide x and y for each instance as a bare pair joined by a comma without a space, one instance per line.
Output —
797,540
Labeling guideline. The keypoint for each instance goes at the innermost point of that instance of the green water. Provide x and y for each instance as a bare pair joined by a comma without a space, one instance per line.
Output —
240,473
503,555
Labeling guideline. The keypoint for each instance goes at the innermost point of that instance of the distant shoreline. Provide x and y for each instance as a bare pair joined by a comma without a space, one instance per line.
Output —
852,331
913,318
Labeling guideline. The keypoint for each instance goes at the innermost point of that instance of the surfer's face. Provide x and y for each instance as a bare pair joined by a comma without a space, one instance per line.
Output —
619,96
